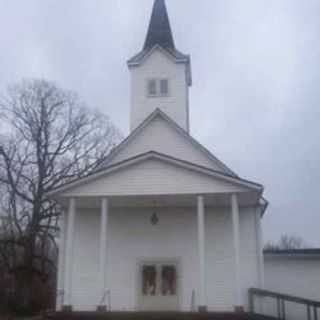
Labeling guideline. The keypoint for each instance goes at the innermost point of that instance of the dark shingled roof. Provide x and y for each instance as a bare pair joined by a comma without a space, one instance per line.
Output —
159,35
307,251
159,32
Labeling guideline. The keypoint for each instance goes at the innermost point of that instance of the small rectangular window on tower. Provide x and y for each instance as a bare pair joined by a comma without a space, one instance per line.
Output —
152,87
164,87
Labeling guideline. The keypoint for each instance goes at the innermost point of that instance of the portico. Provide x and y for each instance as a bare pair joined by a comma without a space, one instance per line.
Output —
200,207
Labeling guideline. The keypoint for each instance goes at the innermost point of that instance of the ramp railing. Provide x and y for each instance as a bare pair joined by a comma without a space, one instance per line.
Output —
311,306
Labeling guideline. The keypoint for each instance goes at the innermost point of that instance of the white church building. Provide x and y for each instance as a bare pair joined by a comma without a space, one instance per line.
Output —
163,225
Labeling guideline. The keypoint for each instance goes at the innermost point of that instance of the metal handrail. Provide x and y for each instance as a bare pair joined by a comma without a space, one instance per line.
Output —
106,296
281,300
60,293
109,300
193,301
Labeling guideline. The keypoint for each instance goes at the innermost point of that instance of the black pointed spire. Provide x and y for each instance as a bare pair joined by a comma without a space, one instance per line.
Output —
159,32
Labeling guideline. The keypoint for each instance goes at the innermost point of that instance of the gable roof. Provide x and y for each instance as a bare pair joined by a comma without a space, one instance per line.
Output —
236,181
159,31
180,131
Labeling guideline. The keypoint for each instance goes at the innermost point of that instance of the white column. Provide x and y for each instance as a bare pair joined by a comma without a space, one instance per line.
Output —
260,303
201,248
69,254
103,246
236,245
61,260
259,241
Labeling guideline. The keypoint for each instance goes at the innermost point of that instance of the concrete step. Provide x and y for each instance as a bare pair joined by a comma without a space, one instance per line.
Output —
153,316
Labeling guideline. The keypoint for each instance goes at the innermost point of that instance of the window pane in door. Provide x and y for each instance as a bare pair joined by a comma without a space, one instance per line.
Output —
149,280
169,281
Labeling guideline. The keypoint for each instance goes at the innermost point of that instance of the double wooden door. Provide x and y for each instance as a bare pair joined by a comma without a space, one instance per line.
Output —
158,286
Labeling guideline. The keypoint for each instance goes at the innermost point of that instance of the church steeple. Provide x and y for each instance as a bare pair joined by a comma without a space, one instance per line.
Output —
160,74
159,31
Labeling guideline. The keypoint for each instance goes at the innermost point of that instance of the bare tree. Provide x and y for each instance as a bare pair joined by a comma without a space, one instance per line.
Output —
50,137
286,242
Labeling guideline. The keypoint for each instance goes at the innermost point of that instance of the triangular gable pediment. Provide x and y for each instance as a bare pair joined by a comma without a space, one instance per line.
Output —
161,134
174,55
155,174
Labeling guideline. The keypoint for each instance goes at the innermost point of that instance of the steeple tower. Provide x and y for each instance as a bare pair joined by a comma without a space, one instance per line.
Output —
160,74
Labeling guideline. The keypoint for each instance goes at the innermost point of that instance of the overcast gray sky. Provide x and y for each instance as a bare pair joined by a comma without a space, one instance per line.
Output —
256,68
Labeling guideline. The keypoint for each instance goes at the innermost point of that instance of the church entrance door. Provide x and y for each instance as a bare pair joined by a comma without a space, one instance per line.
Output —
158,286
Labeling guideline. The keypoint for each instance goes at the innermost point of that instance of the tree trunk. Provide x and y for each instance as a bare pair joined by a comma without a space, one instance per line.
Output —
26,276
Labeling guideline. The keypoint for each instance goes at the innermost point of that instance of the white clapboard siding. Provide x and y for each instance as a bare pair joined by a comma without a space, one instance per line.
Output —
153,176
159,65
132,237
292,275
158,135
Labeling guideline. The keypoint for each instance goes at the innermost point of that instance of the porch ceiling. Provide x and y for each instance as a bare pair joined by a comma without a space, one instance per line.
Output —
211,200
